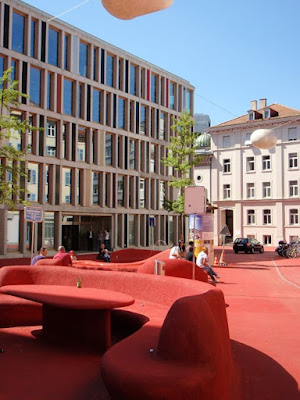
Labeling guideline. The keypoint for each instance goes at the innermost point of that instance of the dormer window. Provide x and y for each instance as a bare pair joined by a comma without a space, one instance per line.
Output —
251,116
267,113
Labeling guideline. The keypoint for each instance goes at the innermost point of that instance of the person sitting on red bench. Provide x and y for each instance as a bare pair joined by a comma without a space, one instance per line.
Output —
63,256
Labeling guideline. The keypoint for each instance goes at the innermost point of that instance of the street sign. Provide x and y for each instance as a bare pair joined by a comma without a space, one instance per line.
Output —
33,214
225,231
195,200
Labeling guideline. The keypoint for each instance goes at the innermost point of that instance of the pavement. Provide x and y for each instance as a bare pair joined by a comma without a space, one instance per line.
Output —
262,292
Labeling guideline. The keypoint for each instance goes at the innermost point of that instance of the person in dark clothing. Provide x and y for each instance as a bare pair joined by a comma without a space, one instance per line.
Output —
190,253
103,254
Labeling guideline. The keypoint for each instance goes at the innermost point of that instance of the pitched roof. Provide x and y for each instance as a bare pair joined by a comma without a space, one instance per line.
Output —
282,111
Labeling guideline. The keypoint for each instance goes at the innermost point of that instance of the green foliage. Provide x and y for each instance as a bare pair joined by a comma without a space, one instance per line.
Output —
11,127
181,157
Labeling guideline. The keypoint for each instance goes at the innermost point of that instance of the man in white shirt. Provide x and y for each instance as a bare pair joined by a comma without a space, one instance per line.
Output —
202,262
174,253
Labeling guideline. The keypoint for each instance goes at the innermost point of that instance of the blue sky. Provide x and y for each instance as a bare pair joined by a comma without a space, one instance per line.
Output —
232,52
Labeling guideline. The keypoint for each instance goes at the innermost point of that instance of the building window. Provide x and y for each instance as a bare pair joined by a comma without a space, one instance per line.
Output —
81,144
251,116
188,101
95,188
109,70
172,96
35,86
152,158
131,230
294,217
66,52
153,88
66,185
68,97
250,190
292,134
267,114
33,38
142,193
293,160
46,192
108,149
161,194
266,163
96,105
120,195
266,189
51,138
162,120
18,32
226,192
250,164
226,142
52,47
33,183
143,120
49,90
121,113
131,154
79,100
226,166
267,239
267,217
251,217
133,79
293,188
83,59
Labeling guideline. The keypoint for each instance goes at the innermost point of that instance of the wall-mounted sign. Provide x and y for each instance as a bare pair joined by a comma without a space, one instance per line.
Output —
33,214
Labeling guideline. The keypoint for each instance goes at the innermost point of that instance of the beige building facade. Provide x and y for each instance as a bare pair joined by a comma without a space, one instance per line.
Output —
256,191
106,118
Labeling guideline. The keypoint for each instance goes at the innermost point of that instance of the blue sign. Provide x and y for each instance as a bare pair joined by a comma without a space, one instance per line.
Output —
33,214
151,221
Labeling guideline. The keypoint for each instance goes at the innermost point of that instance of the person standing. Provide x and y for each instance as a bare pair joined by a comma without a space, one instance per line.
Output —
90,239
100,239
106,239
202,262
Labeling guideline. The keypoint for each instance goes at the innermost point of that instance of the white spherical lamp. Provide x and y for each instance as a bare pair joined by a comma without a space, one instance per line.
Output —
263,138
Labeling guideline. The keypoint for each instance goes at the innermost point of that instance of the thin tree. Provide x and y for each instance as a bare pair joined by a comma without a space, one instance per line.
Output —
12,171
182,156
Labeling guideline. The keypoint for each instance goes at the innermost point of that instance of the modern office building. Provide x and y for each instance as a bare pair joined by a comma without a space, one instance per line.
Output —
202,122
106,118
256,191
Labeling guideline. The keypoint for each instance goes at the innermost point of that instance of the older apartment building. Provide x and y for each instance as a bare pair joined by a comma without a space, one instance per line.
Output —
106,116
256,191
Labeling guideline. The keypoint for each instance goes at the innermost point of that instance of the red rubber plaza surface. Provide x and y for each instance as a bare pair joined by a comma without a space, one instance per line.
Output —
262,292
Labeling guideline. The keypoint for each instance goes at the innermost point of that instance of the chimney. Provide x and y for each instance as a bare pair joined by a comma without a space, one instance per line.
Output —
254,105
262,103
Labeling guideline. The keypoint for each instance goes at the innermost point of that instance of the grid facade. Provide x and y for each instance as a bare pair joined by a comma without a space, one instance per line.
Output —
106,118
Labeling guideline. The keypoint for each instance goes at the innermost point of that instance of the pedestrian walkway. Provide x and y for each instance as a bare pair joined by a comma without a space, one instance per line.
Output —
262,292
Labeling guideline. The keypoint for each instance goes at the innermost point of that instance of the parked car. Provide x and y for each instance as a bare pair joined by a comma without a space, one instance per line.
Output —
247,245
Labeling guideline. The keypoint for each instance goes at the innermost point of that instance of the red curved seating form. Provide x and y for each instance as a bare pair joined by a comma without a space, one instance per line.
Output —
182,350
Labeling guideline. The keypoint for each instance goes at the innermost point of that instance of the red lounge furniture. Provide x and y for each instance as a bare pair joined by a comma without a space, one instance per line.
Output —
181,349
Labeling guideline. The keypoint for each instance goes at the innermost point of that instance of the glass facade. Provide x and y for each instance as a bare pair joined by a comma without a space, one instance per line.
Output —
120,195
109,70
96,105
153,88
51,138
66,51
33,182
133,79
49,90
95,188
35,86
52,47
33,39
108,149
81,149
131,229
83,59
143,120
18,32
121,113
66,185
68,97
131,154
172,96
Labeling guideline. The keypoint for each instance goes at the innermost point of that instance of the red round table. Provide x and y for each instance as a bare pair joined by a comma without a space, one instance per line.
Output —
74,313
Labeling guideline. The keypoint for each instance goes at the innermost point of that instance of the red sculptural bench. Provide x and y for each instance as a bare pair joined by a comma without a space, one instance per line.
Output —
180,347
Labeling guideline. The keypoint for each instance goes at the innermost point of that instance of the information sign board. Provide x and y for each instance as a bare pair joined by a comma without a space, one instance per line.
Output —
33,214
